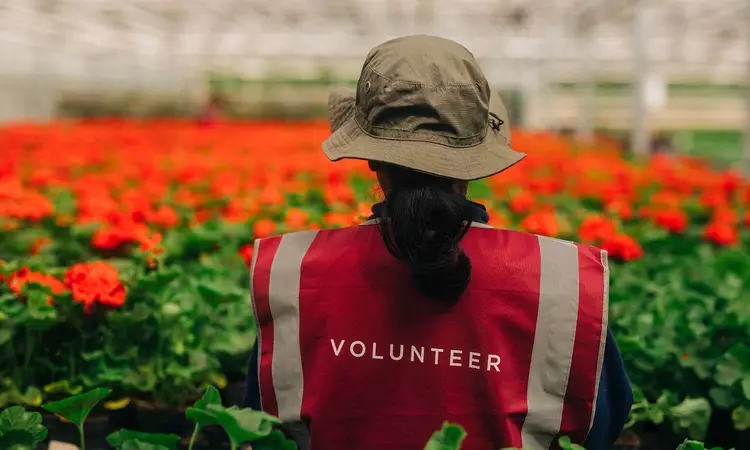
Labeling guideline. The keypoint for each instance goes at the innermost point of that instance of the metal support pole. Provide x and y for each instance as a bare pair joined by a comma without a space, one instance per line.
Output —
587,85
640,134
746,138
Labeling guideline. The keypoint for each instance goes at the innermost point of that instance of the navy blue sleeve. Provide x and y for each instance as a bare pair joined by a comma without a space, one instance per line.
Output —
252,385
615,397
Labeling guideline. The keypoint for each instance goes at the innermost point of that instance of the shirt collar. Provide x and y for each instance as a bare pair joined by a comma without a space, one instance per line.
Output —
480,213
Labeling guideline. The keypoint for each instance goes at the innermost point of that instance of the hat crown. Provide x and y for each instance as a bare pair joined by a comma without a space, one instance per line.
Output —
425,88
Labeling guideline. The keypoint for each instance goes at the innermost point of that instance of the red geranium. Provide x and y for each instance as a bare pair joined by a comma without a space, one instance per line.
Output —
673,220
595,228
246,252
544,223
95,283
623,247
721,233
18,279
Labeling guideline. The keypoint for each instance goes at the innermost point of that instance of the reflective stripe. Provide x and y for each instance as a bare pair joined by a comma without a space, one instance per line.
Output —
258,344
554,339
603,339
283,294
481,225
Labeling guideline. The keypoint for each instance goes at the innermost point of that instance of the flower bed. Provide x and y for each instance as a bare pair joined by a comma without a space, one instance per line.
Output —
21,429
125,246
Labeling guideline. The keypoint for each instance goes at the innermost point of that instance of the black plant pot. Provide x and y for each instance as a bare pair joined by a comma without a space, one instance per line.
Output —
163,421
628,441
96,429
657,437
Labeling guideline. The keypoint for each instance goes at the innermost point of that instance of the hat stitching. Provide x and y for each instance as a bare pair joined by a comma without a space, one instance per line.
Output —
418,133
429,141
417,83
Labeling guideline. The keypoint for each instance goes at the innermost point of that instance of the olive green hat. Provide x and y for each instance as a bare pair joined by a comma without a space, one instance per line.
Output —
422,102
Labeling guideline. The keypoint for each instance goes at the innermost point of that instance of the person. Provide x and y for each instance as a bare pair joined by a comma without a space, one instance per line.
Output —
372,336
211,111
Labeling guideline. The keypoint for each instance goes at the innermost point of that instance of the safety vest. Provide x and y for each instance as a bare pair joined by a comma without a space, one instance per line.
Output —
352,357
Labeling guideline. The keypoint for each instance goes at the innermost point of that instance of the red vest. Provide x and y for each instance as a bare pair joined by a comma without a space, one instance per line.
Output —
353,357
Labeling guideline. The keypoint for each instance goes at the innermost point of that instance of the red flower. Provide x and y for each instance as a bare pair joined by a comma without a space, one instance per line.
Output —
296,218
721,233
724,214
622,246
338,193
163,216
522,202
544,223
246,252
264,228
620,208
95,283
17,280
595,228
713,199
152,243
673,220
38,243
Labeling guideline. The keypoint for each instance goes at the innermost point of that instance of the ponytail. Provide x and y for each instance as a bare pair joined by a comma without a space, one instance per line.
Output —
422,223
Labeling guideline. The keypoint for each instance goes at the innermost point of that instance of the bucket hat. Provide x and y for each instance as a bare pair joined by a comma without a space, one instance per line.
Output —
423,103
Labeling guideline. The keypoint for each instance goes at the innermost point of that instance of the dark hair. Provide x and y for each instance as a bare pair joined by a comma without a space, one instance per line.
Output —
422,223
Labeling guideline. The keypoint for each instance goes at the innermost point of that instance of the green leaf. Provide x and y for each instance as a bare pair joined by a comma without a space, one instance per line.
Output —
693,415
210,397
741,418
137,444
722,397
566,444
118,439
241,425
746,387
63,387
6,332
728,371
691,445
274,441
32,396
447,438
20,427
77,408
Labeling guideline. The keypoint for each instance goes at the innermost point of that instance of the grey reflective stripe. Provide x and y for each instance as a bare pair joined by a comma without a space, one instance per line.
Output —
258,345
552,351
481,225
603,338
283,299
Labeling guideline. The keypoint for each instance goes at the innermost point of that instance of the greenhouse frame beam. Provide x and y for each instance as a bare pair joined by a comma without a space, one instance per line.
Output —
639,137
746,138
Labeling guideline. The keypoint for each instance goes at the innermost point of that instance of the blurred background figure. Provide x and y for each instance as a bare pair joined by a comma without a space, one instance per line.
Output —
632,69
211,110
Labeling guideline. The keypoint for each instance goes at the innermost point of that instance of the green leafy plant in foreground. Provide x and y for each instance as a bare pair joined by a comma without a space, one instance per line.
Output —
23,430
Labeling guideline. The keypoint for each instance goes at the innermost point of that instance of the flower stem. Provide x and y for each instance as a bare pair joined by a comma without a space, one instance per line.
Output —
193,437
80,434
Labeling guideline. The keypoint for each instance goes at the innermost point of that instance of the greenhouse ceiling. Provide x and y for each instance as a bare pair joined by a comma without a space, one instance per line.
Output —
696,34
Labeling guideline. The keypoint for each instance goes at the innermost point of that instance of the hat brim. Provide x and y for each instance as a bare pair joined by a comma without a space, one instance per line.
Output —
349,141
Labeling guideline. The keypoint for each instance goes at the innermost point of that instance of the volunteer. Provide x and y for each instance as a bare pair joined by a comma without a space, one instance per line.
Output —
369,337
